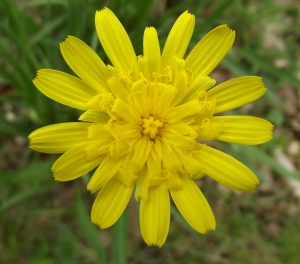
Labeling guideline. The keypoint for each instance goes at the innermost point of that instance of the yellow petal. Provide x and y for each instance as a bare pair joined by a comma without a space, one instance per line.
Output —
173,180
193,206
209,128
118,88
236,92
210,50
110,203
184,129
119,148
170,161
107,169
126,162
182,111
141,152
98,131
155,89
95,117
155,216
141,189
178,38
139,100
174,138
121,132
123,110
165,100
64,88
59,138
202,116
181,86
74,163
227,170
202,83
115,40
189,162
143,67
85,62
154,162
155,177
177,67
98,148
152,51
127,177
244,129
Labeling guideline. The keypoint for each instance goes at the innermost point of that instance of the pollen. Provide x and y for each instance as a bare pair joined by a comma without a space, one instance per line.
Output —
151,126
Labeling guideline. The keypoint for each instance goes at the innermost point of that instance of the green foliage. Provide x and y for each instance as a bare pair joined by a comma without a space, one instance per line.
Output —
46,222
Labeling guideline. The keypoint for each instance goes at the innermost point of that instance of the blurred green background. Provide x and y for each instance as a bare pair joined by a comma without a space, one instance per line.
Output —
45,222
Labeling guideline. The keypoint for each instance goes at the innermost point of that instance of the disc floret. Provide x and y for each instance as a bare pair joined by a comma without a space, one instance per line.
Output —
151,126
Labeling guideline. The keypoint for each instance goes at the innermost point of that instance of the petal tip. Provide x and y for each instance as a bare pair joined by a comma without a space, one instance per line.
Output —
155,244
103,11
97,222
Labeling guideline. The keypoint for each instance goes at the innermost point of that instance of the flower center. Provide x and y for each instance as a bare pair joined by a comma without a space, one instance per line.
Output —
151,126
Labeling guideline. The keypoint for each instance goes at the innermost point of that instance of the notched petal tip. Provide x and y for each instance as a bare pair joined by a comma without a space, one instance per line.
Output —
99,222
178,38
36,77
104,13
154,244
210,50
91,187
115,40
110,203
38,74
225,27
237,92
100,225
187,14
31,135
31,140
230,32
66,41
105,9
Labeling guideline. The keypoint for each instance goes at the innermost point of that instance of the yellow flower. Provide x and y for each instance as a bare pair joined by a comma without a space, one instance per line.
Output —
143,119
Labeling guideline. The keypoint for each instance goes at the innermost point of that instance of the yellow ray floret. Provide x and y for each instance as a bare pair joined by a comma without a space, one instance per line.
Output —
155,216
64,88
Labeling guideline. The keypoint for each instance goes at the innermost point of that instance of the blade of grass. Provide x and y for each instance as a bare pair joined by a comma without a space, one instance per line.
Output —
36,172
45,2
47,29
88,229
21,196
75,240
120,239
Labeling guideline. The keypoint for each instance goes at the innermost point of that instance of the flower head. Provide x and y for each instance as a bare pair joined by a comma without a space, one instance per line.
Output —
145,118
